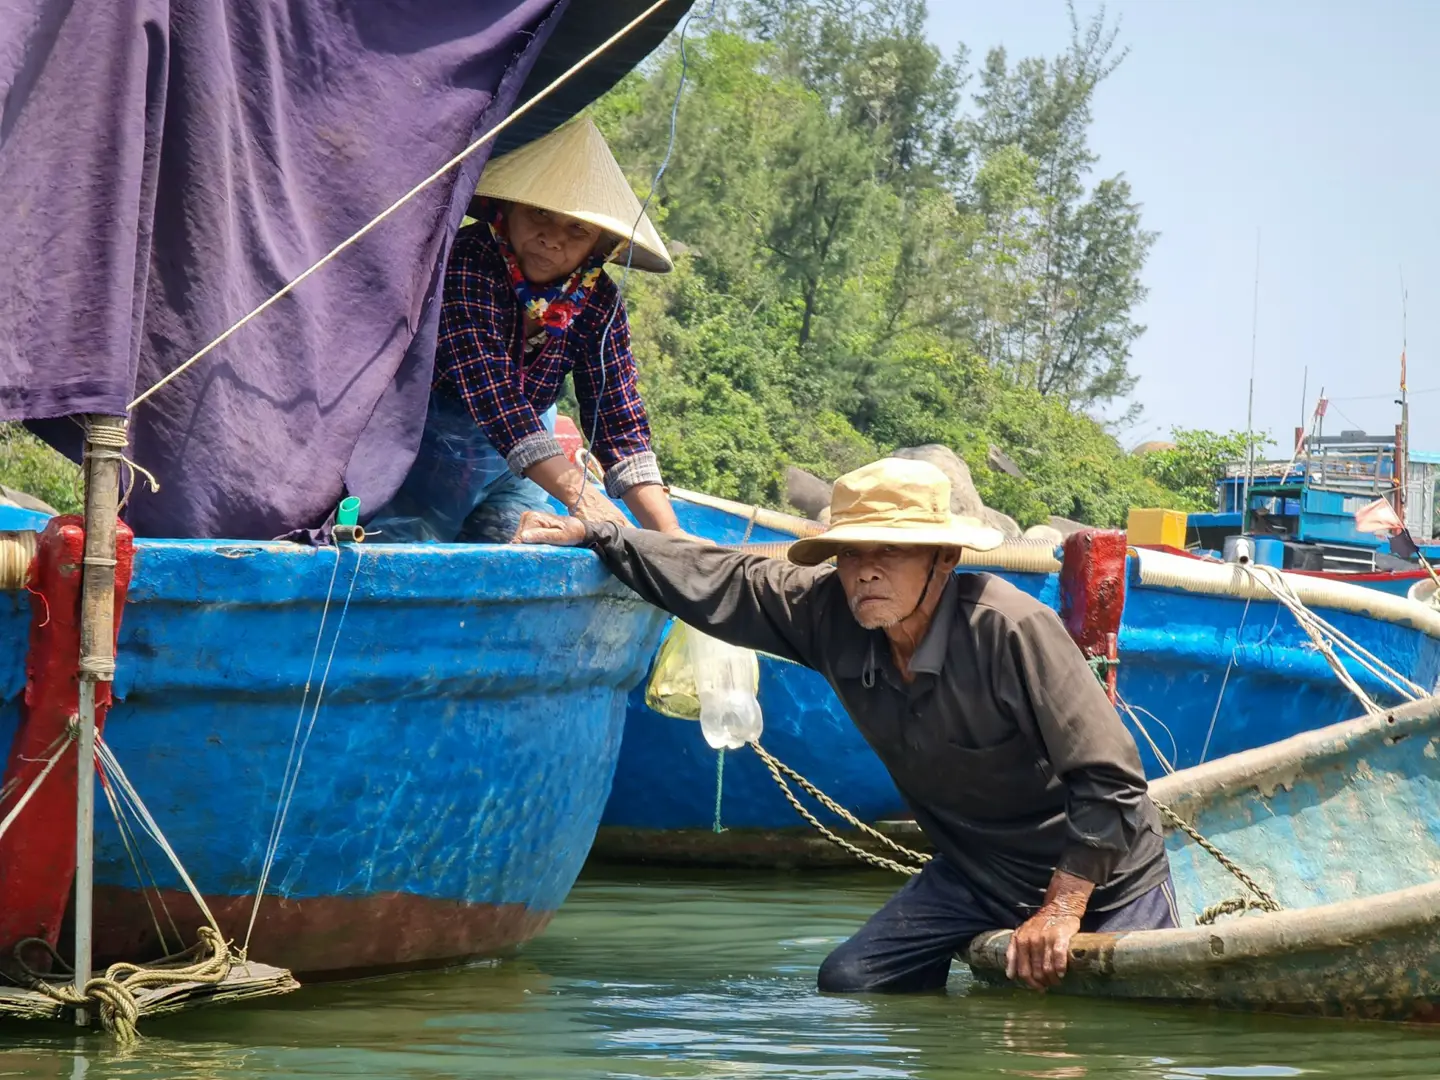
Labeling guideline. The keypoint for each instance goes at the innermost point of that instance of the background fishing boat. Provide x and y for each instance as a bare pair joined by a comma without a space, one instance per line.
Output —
1304,818
1300,513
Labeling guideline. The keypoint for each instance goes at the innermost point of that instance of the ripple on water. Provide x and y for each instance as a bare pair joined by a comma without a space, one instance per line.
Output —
712,977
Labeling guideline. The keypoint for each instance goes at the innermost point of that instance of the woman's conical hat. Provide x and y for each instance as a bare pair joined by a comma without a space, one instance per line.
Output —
571,171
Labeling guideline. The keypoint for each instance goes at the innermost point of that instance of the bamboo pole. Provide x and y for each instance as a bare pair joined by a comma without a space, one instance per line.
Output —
104,441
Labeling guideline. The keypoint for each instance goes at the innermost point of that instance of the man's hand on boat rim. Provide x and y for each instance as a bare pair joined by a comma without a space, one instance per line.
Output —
538,527
1039,951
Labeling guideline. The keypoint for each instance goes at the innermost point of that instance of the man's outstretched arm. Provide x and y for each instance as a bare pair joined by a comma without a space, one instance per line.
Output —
748,600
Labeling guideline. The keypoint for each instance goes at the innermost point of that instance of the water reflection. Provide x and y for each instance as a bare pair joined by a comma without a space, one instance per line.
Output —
712,977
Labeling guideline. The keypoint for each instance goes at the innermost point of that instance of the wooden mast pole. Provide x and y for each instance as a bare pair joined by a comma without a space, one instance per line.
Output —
104,442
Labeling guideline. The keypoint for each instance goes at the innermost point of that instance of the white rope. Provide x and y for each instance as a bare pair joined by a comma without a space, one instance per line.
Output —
127,791
30,791
132,852
439,173
13,783
272,843
297,753
1165,763
1369,660
1324,635
1229,667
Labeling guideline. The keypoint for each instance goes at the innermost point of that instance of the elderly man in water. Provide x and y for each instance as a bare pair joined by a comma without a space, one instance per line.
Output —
982,709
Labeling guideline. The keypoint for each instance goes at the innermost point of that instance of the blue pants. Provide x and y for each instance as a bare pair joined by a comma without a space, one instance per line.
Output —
906,946
460,488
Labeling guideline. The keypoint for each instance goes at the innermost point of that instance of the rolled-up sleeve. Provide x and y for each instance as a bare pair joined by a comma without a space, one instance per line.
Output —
746,600
1086,743
473,352
611,410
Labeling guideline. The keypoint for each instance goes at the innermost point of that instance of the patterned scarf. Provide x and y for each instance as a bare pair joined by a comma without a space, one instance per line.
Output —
553,306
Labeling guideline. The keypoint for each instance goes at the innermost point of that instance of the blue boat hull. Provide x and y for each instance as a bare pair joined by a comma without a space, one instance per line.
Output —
1211,675
457,767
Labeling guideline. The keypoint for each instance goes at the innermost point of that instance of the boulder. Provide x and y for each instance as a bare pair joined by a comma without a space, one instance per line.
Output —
1047,533
1004,522
806,492
1151,447
964,499
1064,526
25,500
1000,461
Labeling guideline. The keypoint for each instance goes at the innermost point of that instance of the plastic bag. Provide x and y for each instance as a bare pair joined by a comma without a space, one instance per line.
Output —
697,677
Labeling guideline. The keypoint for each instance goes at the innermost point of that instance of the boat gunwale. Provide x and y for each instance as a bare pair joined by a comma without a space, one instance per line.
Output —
1341,925
1277,764
1162,571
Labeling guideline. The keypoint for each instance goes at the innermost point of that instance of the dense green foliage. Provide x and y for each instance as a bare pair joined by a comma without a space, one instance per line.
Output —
1190,469
881,248
28,465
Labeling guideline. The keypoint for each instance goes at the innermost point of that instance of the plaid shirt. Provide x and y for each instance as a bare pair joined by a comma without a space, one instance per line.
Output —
481,358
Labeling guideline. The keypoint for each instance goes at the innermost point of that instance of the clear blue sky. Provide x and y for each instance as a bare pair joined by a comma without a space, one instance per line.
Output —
1314,122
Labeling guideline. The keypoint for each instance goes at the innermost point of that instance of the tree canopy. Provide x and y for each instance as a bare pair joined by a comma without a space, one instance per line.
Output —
880,246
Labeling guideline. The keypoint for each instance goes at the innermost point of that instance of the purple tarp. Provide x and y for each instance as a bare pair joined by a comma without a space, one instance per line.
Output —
165,166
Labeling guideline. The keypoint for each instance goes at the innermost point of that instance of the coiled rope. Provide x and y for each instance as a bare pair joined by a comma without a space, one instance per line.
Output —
113,994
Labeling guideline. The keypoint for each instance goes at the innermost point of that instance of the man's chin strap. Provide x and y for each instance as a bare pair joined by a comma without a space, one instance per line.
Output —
934,562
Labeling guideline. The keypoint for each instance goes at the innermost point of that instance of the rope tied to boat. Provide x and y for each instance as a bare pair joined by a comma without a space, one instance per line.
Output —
1263,900
777,768
113,995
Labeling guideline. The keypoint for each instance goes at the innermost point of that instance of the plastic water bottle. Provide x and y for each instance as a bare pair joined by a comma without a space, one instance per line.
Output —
729,718
724,683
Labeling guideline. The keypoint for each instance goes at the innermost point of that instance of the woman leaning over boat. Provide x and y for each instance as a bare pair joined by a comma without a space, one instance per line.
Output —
526,303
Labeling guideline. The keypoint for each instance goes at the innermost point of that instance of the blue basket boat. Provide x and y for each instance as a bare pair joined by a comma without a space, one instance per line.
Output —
455,773
1356,935
1212,664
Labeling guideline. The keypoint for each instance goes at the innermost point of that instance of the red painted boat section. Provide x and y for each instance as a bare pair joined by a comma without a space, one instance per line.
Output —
1092,593
567,434
327,937
37,854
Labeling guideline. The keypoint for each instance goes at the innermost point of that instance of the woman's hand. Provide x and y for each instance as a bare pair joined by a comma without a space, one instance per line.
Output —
593,505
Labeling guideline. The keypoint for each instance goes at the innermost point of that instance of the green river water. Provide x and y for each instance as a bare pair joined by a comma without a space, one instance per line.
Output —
710,976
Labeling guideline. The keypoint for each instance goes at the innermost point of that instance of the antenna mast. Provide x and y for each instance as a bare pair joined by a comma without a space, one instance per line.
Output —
1250,407
1402,433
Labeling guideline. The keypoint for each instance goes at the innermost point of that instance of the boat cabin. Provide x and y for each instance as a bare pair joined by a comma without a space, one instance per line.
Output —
1309,503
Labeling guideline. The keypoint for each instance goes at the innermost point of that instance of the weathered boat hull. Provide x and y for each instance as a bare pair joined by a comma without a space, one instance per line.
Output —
454,778
1342,827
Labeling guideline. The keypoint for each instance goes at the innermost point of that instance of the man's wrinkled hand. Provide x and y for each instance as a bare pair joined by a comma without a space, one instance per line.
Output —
537,527
1039,951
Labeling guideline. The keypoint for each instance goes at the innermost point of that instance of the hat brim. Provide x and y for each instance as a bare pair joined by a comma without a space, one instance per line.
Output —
649,251
961,533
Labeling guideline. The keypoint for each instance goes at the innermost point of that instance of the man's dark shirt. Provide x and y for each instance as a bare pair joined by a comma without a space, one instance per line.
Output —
1004,744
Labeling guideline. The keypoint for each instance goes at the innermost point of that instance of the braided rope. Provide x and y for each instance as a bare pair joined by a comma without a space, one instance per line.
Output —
1264,901
776,768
